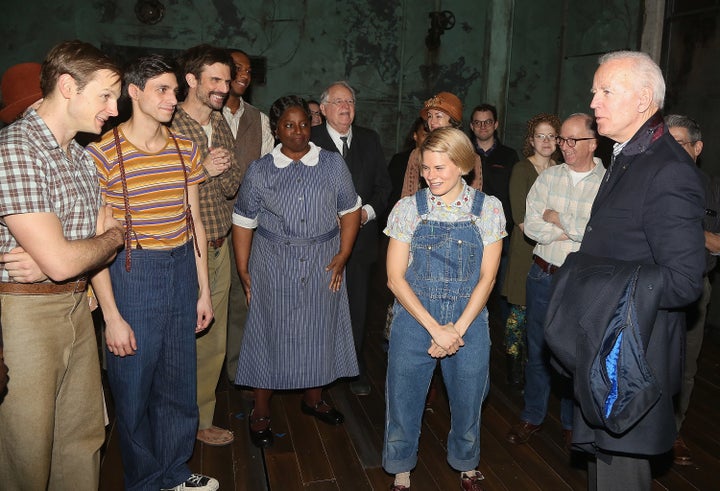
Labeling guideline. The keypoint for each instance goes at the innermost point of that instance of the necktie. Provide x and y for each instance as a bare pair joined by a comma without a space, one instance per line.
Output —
345,147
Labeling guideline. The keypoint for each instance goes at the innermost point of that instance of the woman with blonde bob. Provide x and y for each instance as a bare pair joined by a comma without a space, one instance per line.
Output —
443,255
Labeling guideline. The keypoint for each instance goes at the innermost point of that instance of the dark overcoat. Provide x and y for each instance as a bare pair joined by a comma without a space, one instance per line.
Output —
649,211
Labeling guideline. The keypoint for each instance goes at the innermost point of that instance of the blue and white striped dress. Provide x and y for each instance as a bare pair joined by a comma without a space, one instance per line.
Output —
298,332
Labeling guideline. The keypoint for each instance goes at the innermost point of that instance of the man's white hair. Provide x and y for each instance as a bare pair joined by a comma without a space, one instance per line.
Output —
646,73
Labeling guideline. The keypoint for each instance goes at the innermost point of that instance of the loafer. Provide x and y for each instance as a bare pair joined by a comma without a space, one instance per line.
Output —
330,416
521,432
472,483
262,438
681,453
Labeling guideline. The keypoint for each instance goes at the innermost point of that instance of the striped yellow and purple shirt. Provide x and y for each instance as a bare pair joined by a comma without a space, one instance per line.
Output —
156,187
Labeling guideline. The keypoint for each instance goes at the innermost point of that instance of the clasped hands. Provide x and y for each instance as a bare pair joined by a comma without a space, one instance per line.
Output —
446,341
217,161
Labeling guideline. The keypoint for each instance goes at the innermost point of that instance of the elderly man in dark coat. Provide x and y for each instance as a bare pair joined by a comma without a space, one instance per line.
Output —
648,211
361,149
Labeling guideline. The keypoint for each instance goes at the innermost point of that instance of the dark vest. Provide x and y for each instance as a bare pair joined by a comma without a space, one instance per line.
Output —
248,140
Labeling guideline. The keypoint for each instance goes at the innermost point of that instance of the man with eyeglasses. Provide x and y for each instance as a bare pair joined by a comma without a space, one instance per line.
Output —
251,132
687,133
361,149
556,212
497,163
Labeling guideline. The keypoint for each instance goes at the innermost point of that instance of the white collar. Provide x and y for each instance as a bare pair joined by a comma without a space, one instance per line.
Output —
335,135
310,159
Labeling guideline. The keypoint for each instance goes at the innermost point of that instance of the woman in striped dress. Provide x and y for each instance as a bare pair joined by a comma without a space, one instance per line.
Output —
294,223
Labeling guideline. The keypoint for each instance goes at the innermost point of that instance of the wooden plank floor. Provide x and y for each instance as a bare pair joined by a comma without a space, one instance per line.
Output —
309,455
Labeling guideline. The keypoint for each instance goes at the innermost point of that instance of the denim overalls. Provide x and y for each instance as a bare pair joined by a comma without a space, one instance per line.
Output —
445,268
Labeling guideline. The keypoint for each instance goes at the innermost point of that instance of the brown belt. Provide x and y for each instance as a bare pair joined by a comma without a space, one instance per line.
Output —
76,286
217,243
544,265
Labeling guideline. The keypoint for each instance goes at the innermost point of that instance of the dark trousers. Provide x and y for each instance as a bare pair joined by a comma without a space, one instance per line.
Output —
610,472
358,280
538,373
154,389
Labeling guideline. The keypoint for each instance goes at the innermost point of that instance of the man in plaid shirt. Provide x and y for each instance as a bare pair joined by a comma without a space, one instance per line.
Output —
556,213
51,234
208,72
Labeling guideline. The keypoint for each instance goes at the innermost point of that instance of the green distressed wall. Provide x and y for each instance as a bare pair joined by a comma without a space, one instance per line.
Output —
555,48
524,56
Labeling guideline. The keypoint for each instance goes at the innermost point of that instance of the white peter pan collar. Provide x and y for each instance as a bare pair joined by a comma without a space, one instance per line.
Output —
310,159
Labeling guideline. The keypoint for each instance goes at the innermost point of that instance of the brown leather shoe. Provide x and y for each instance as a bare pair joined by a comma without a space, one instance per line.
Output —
681,452
521,432
472,483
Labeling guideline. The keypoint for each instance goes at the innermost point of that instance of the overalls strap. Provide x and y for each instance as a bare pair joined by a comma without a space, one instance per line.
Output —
478,204
421,198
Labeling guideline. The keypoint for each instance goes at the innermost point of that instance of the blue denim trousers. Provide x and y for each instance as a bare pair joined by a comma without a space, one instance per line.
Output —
154,390
410,369
444,271
538,370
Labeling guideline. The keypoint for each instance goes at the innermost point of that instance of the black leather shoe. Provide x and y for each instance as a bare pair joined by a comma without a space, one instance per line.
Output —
262,438
324,412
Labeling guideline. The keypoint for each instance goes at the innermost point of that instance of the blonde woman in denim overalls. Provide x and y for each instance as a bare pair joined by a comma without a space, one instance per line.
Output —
444,251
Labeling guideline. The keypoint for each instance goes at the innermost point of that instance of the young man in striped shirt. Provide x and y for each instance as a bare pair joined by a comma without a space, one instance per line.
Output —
149,296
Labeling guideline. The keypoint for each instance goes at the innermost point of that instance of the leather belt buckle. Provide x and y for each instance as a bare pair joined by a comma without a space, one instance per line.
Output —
217,243
544,265
46,288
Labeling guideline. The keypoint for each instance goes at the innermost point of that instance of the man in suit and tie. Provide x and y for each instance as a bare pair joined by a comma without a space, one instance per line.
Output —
648,212
361,149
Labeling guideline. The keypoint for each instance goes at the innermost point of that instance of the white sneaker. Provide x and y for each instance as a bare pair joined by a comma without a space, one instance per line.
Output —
198,482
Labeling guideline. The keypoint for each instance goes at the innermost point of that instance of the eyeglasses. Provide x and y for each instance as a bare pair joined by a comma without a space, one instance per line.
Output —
486,122
683,143
570,142
542,136
314,113
341,102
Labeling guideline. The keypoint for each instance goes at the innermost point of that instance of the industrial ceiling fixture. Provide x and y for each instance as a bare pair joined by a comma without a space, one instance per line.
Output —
149,11
439,23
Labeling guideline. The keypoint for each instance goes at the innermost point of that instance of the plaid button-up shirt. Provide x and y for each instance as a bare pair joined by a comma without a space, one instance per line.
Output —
217,194
554,190
37,176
